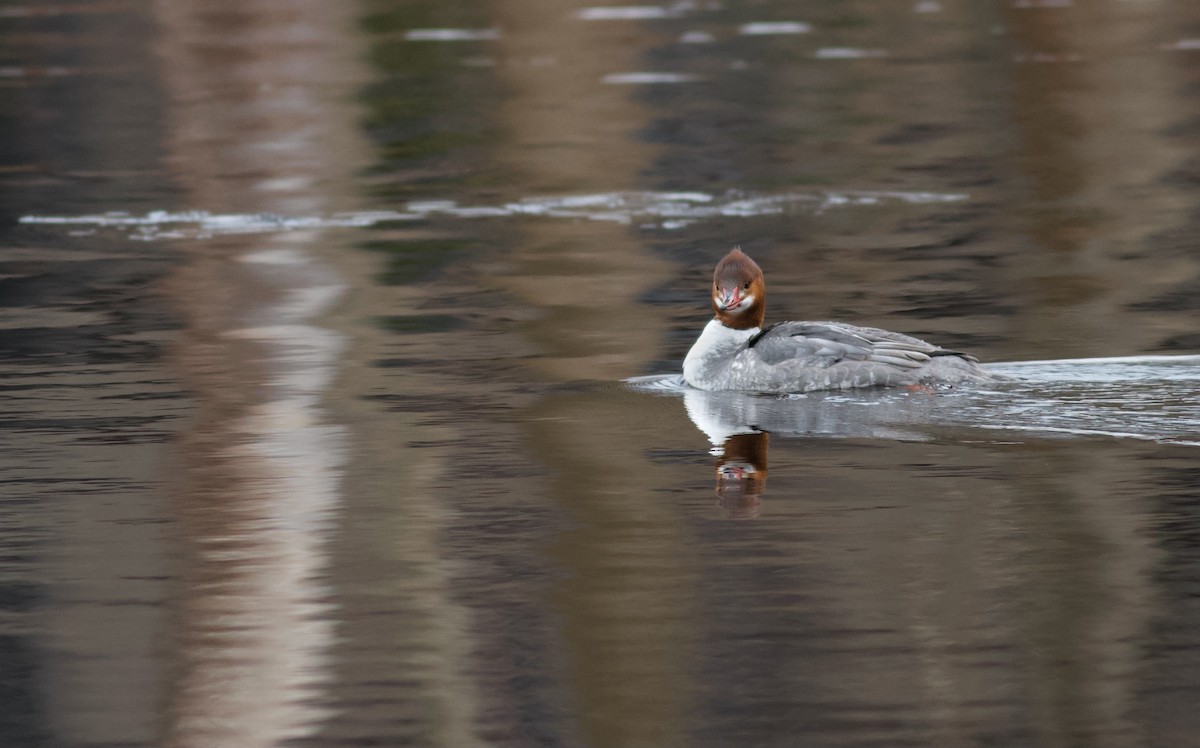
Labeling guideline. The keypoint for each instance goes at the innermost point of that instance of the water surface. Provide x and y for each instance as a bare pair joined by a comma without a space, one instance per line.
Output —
340,353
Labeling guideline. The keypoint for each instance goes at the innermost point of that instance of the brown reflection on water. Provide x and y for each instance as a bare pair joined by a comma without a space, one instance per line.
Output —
628,605
584,288
1087,618
1095,98
989,592
249,86
742,474
409,654
87,405
584,285
503,546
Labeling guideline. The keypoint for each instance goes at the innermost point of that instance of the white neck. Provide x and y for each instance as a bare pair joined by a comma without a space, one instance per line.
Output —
714,349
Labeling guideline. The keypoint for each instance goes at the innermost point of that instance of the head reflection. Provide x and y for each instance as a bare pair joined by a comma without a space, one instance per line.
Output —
738,423
742,474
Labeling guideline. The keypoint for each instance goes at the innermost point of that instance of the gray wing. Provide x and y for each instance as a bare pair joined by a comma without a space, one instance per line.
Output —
825,344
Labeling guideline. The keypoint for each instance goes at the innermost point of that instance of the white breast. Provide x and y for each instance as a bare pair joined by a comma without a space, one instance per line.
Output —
712,354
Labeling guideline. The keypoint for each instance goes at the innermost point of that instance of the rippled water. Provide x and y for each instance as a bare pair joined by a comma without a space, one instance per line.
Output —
339,353
665,210
1152,398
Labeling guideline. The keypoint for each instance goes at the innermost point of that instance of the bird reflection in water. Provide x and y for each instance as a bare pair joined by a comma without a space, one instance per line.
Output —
742,474
739,425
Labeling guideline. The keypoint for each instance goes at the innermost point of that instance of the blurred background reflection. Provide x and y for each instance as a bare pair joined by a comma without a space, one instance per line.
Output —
315,319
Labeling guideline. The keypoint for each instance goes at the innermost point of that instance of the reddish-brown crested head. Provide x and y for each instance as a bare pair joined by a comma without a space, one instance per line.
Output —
739,295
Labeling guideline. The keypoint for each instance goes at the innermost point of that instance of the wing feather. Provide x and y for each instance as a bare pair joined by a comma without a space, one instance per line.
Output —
824,344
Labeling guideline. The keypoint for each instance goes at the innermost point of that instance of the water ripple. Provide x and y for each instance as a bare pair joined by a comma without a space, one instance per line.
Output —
1149,398
662,210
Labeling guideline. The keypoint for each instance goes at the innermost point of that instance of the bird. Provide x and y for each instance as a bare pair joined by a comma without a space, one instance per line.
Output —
735,351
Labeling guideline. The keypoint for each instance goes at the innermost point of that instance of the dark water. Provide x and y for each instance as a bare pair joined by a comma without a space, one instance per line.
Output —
315,326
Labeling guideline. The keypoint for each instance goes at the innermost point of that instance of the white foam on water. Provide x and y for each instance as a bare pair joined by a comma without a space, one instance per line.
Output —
1141,368
623,13
774,28
655,210
1090,432
643,12
848,53
648,79
1183,45
1047,58
451,35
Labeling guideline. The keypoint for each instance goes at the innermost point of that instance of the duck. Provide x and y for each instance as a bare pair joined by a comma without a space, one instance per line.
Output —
735,351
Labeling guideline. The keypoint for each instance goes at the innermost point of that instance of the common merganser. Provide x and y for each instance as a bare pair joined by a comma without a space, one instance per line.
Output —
735,352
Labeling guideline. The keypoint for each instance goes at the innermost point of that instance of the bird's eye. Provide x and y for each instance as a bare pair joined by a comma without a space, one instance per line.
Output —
747,285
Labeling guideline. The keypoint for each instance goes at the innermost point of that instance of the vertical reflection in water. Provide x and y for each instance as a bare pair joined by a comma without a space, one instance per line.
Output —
1091,604
262,484
1092,99
251,132
87,405
626,631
